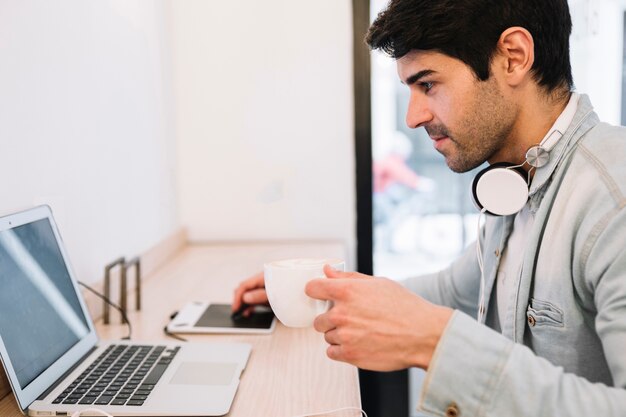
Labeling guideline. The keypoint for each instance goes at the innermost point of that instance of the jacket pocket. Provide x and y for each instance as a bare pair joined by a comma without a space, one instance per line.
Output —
543,313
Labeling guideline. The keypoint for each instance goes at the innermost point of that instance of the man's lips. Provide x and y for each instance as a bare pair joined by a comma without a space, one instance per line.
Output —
439,141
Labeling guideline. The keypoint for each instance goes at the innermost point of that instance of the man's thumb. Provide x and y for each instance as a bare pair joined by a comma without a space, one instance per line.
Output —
335,273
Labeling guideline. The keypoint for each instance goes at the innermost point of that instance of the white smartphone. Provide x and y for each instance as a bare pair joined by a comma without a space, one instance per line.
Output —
205,317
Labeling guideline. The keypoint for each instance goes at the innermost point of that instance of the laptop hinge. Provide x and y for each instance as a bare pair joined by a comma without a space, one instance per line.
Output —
69,371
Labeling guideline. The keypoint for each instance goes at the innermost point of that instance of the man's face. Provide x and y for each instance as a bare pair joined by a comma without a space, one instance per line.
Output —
468,120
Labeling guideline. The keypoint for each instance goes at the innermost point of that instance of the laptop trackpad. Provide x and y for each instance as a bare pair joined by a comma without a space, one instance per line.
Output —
204,373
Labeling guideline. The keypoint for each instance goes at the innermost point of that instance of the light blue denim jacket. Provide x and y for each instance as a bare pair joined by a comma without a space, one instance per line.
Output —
562,346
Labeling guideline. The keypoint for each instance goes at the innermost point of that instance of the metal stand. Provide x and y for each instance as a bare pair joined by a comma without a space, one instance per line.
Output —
124,267
135,262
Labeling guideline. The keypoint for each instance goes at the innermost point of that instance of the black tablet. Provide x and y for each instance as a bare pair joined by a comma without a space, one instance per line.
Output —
204,317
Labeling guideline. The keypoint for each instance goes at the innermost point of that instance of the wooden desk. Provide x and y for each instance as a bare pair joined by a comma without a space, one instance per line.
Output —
288,373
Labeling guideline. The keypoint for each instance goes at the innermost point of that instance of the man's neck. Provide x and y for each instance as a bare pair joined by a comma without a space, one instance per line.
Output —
537,114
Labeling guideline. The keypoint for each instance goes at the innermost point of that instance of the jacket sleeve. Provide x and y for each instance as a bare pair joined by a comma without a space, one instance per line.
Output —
456,286
481,373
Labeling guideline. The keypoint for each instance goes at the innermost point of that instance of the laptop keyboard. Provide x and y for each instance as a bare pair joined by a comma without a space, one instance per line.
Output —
121,375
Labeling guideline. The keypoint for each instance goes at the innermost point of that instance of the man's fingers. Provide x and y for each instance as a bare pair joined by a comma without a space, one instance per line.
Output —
331,272
238,297
324,289
237,302
256,281
335,352
322,323
332,337
256,296
335,288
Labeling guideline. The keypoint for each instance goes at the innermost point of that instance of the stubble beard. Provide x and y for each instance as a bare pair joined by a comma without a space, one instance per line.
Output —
482,131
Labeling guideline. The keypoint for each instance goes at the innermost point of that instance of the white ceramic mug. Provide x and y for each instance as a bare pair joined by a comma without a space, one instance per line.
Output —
284,283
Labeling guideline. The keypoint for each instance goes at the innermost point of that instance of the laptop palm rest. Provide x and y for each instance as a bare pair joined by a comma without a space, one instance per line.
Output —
204,373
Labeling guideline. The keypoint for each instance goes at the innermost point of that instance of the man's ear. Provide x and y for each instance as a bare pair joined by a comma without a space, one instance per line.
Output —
515,55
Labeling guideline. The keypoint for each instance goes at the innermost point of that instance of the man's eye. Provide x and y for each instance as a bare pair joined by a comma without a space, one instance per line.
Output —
426,85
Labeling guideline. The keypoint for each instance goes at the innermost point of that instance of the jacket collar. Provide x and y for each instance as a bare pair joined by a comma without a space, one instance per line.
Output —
584,119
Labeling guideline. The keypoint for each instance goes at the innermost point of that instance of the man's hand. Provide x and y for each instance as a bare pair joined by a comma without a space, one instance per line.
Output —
251,292
376,323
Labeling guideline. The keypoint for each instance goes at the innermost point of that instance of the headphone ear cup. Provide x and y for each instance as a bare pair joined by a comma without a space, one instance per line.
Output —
500,189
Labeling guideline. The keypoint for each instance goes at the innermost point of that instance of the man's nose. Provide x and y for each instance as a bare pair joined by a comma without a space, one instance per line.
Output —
418,112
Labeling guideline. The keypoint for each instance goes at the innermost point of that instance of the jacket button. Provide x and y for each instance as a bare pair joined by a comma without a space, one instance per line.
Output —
452,410
497,253
531,321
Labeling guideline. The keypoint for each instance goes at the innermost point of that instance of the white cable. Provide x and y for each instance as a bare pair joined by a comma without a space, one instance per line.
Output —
361,412
479,256
91,410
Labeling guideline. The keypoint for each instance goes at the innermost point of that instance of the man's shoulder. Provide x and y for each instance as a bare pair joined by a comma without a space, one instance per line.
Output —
607,143
604,134
602,153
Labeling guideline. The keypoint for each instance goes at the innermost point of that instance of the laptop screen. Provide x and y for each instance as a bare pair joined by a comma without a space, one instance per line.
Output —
40,314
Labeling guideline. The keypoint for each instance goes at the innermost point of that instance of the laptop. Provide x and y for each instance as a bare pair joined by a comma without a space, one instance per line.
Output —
52,356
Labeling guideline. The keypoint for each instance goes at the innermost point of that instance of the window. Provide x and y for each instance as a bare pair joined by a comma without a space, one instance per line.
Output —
422,213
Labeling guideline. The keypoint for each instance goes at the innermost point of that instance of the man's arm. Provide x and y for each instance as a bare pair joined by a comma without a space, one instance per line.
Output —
376,324
481,373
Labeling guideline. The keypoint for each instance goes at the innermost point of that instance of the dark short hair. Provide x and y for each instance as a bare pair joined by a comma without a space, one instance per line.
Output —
469,30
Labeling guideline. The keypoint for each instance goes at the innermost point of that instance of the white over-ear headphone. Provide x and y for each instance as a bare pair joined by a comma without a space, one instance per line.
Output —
502,188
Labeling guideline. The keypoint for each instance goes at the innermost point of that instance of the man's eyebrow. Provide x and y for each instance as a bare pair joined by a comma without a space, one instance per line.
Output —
416,77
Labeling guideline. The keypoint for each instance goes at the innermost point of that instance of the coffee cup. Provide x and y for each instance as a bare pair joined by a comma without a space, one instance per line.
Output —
285,281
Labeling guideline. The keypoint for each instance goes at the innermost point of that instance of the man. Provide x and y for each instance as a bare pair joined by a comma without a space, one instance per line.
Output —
490,79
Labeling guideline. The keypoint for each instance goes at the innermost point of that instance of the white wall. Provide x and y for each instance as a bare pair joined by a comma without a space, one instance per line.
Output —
264,116
263,113
596,52
86,123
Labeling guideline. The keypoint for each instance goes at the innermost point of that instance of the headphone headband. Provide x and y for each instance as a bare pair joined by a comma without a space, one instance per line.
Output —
539,155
